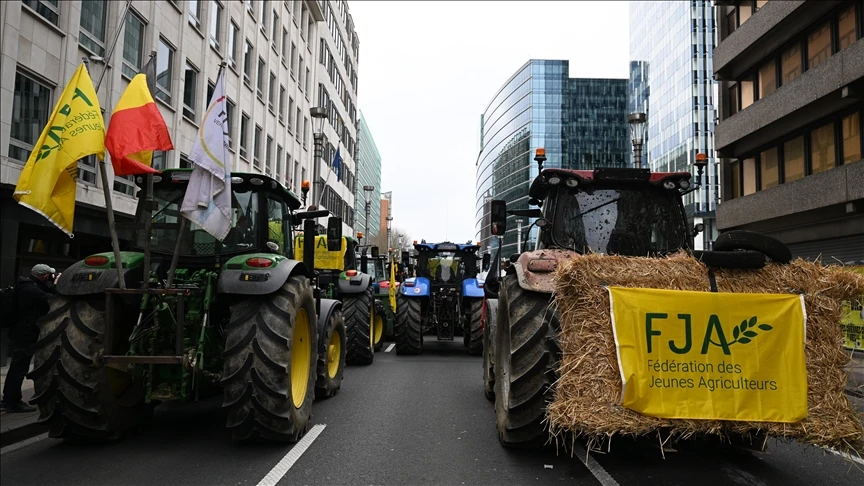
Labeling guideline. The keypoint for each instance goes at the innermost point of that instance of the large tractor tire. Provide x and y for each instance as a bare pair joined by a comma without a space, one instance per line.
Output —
271,351
359,312
526,358
378,325
76,398
473,336
408,325
490,313
331,357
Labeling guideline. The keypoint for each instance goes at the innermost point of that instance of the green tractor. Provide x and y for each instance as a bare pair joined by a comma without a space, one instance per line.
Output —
194,318
378,267
340,279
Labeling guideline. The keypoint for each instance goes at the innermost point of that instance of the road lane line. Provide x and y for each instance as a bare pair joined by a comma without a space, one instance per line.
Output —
845,455
23,444
390,348
285,464
596,469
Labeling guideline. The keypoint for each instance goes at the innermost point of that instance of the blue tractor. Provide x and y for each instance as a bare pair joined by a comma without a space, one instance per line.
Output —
445,298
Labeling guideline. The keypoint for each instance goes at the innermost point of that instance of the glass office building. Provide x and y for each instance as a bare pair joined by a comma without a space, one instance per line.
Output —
582,124
671,49
368,174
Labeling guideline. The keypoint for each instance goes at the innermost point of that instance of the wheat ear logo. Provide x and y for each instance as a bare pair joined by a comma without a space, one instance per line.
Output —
745,332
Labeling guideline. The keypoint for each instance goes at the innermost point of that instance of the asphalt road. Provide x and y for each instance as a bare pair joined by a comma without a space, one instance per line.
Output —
402,420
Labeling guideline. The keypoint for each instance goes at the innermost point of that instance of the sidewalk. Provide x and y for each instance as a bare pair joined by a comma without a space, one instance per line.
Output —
15,427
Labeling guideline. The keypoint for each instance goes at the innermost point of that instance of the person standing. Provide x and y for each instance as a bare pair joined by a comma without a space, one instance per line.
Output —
32,294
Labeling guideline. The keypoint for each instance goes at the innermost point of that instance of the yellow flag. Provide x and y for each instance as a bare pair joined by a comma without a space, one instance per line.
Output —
710,355
75,130
393,283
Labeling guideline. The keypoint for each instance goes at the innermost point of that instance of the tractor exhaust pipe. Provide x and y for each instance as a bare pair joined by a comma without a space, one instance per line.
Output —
309,226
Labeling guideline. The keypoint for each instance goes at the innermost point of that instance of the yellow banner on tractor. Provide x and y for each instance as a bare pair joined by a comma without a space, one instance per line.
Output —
712,356
324,259
852,319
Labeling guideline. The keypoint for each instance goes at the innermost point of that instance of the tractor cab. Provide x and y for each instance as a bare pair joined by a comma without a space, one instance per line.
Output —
446,264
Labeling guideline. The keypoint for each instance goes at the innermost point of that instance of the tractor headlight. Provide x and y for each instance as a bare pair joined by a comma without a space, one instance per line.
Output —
685,184
669,185
554,180
571,182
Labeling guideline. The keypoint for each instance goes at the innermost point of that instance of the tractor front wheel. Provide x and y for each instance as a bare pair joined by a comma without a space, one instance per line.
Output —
474,331
78,399
271,350
378,327
359,312
408,325
526,356
331,357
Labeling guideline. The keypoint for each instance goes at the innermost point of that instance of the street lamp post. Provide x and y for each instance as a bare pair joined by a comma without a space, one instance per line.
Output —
319,114
389,226
637,133
368,190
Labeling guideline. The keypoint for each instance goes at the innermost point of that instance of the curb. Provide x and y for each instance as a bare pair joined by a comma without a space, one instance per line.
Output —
23,431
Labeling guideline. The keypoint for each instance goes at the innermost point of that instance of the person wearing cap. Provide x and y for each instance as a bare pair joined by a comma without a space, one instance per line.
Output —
33,293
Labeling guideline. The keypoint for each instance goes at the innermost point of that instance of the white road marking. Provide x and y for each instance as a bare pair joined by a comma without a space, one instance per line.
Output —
285,464
844,455
390,348
23,443
595,468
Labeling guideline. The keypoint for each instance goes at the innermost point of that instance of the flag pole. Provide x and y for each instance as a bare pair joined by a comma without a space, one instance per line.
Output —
148,197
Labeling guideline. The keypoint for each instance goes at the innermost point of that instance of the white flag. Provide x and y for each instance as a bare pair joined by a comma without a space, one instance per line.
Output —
208,196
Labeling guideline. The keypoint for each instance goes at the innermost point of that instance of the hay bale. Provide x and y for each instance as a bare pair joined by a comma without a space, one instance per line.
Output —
588,392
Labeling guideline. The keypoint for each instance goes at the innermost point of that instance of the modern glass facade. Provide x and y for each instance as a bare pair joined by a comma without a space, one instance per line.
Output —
368,174
582,123
671,81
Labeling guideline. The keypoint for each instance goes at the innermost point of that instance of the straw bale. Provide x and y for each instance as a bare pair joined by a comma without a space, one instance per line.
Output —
588,392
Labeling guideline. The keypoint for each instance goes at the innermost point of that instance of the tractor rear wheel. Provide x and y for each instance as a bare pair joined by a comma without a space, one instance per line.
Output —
474,332
359,311
331,357
76,398
489,320
271,350
526,358
408,325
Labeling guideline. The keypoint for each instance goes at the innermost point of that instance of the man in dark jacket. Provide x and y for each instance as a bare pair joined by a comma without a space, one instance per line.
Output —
32,297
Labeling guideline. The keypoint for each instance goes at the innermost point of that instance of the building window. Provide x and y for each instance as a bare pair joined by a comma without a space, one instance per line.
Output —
274,37
297,134
733,99
271,97
308,77
846,24
296,180
248,53
230,113
793,159
290,114
159,160
190,91
278,169
232,43
49,9
133,45
769,168
31,107
731,22
749,176
735,179
87,170
282,104
745,10
760,4
256,155
194,12
244,135
767,79
124,185
790,63
822,149
302,71
747,93
262,71
305,130
819,46
215,24
92,34
284,45
185,163
164,71
293,60
851,138
268,163
264,17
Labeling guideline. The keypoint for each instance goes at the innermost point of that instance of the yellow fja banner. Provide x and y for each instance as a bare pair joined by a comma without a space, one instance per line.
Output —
74,130
706,355
324,259
392,283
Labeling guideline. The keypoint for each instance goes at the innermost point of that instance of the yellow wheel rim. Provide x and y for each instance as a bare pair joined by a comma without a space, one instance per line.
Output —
372,329
334,350
378,329
301,353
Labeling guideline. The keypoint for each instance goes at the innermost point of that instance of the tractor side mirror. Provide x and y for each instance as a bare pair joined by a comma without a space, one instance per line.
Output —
405,257
487,258
498,216
700,227
375,252
334,233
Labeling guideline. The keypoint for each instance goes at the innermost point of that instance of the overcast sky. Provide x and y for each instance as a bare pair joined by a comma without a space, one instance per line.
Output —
427,70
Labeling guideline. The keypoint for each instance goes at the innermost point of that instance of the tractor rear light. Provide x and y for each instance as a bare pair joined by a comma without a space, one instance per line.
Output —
571,182
350,273
480,284
96,261
554,180
409,284
685,184
669,185
259,262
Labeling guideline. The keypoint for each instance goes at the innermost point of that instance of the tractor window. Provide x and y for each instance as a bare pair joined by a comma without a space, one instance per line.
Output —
632,222
195,241
447,267
278,227
377,270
